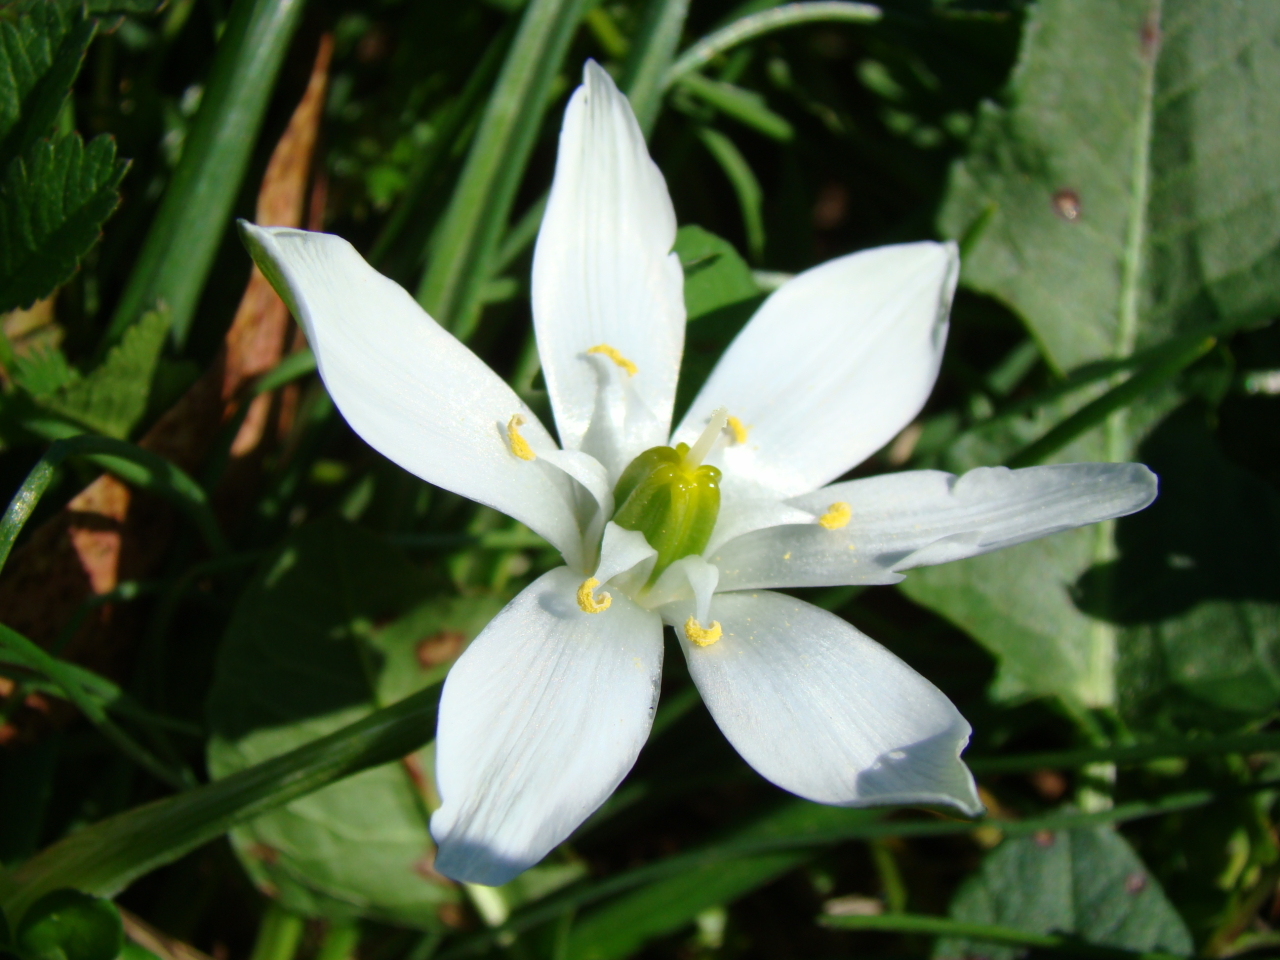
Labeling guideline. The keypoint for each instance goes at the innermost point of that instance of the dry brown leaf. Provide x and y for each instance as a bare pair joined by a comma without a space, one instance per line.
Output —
104,534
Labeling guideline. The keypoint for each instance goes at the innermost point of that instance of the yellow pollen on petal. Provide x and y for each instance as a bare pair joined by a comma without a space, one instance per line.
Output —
519,445
738,428
700,635
588,603
837,516
616,357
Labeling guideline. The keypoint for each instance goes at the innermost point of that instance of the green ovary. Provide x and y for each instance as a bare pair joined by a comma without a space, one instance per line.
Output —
672,502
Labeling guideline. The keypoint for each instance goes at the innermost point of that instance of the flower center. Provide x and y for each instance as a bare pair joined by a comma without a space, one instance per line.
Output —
671,497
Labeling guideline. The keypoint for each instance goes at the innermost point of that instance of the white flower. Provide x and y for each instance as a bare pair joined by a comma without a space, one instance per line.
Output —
546,711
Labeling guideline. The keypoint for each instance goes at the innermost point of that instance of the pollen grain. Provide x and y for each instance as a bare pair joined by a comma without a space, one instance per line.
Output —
519,445
837,516
587,602
738,429
615,356
700,635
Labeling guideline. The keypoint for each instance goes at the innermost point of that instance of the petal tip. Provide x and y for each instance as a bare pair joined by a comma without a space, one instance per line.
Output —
469,862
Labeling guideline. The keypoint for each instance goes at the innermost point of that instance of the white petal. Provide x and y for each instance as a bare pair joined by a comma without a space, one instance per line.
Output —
540,720
824,711
621,550
409,388
904,520
739,517
832,366
689,578
604,273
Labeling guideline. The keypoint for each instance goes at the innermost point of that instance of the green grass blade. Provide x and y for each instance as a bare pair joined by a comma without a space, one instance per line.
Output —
462,247
644,74
766,21
1117,398
132,464
106,857
745,106
196,211
32,657
1135,753
744,183
857,828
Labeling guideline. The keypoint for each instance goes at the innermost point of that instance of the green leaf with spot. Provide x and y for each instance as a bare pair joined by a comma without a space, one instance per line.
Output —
1125,192
1128,189
305,655
1087,882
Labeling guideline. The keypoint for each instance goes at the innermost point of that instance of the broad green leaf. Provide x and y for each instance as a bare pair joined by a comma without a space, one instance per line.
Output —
1129,187
720,295
52,205
621,926
1086,881
302,657
715,275
112,399
40,55
1196,587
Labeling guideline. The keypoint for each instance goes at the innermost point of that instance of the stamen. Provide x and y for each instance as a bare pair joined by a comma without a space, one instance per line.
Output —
837,516
616,357
738,429
519,445
591,604
709,436
700,635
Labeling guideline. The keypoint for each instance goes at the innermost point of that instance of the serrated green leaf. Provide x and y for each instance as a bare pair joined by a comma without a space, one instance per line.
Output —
1130,187
1086,881
43,371
53,203
302,658
112,399
40,55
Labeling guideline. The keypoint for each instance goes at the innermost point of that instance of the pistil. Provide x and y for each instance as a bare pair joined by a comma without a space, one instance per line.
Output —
698,452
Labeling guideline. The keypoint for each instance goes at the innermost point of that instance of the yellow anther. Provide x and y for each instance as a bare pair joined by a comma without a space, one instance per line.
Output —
738,428
588,603
616,357
700,635
519,445
837,516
